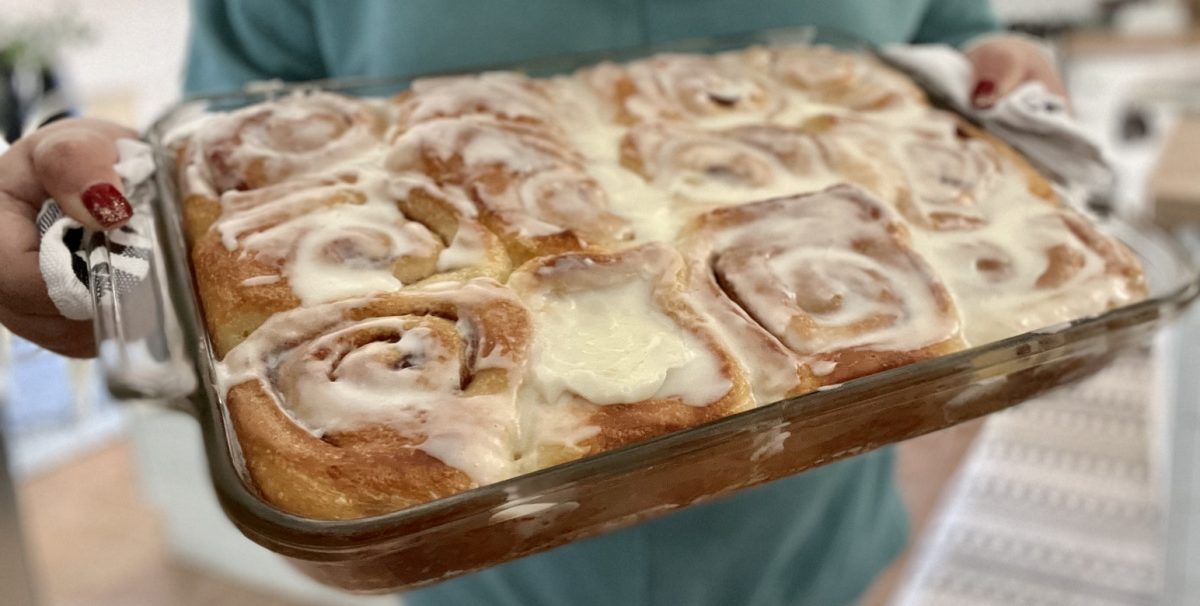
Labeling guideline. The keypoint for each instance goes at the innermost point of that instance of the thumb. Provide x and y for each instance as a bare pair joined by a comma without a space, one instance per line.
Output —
75,167
998,71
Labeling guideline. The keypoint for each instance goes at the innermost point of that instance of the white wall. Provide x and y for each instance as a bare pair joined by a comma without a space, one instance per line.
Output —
132,68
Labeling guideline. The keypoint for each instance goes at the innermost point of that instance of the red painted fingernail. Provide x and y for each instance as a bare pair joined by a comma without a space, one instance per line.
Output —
982,95
104,202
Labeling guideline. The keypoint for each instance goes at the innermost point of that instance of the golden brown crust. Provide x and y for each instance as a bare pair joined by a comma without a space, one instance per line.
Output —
242,286
378,466
370,472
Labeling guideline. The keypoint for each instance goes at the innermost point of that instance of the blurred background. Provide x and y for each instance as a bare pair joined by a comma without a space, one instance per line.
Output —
1091,496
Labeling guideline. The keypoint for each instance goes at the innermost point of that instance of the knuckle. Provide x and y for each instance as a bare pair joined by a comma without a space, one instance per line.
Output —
69,149
66,150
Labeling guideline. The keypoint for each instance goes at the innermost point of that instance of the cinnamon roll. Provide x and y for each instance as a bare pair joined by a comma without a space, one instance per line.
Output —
854,81
828,278
367,406
707,90
754,162
272,141
726,166
621,353
860,152
504,96
1032,267
315,240
954,172
530,187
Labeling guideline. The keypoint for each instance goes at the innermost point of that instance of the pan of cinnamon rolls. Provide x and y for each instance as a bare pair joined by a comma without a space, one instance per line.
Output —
439,306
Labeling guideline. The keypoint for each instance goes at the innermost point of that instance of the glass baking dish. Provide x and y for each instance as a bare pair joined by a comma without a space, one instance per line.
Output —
153,345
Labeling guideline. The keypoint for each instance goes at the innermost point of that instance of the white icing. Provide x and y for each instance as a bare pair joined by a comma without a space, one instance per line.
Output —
329,251
1018,231
404,377
526,176
317,278
196,181
523,510
722,170
503,94
543,422
796,258
337,238
614,346
769,443
532,518
629,195
542,157
479,141
300,133
822,368
260,280
716,90
466,250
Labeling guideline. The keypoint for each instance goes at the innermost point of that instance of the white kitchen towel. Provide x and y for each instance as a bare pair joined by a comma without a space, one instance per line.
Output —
64,258
1030,118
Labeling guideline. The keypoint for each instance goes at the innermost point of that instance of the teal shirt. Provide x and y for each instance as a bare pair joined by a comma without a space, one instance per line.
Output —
818,538
235,41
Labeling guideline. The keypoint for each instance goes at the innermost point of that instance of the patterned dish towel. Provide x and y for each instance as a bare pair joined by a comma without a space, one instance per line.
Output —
1055,505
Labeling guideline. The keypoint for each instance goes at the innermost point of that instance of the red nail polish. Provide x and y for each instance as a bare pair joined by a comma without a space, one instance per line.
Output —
983,92
104,202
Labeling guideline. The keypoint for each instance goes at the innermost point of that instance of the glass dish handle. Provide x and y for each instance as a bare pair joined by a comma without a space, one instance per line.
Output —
139,341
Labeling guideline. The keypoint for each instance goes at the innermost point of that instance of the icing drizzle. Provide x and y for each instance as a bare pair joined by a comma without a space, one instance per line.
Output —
954,231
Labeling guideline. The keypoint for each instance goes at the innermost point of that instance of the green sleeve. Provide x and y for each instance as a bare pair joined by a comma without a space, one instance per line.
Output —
237,41
956,22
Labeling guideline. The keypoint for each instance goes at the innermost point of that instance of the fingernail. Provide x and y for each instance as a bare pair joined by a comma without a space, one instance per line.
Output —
104,202
982,95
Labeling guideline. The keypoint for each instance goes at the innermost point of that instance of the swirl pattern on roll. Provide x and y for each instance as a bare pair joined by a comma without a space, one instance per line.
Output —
621,354
957,175
1033,269
268,143
504,96
852,81
686,88
726,166
315,240
831,276
529,186
385,402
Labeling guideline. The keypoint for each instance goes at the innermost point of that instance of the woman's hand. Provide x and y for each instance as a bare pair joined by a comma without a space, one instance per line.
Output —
72,162
1002,63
